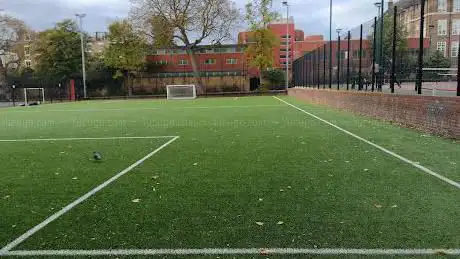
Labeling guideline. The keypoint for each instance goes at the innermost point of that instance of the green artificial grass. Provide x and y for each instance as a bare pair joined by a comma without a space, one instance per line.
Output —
238,161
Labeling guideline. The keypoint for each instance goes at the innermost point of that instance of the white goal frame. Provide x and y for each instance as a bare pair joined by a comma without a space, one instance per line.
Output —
25,94
171,97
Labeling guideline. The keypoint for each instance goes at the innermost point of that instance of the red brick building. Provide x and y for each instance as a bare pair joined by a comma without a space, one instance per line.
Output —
296,40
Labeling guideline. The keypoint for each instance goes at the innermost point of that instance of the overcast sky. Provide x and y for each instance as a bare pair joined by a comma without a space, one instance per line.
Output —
312,16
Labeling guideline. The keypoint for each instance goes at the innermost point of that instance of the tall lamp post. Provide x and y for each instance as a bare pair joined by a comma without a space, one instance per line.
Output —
285,3
338,30
80,17
377,47
330,44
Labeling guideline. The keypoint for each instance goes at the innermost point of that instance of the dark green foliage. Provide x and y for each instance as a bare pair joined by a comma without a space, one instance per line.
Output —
59,52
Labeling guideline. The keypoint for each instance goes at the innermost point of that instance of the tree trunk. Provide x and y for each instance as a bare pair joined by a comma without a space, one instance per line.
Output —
3,81
129,84
196,71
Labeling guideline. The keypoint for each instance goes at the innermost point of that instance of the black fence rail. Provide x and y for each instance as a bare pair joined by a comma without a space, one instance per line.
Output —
388,53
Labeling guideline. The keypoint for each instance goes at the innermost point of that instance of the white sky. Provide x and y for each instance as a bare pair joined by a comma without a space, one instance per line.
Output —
312,16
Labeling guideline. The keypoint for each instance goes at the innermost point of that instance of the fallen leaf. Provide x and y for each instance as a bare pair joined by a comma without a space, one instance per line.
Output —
378,206
289,187
453,163
155,177
260,199
281,190
6,197
347,161
195,164
259,223
75,178
136,200
394,206
57,173
153,189
13,226
280,223
365,170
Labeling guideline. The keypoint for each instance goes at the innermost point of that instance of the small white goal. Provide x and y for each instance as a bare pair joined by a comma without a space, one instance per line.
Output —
34,95
181,92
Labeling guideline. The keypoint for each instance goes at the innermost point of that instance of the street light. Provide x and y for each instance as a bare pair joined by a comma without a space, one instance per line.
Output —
330,44
285,3
80,17
378,76
14,95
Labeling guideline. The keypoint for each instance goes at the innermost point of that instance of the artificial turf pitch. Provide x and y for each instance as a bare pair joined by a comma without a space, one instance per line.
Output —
244,173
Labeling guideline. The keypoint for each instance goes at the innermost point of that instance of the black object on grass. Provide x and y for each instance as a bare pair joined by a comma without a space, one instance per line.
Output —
97,156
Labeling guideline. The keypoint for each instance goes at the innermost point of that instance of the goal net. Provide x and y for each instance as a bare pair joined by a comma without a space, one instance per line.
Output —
181,92
34,96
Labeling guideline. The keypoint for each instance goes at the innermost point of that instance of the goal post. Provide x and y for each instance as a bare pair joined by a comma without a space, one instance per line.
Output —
181,92
34,95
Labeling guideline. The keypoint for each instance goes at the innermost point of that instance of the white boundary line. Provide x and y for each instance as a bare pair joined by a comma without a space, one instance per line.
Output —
74,139
235,251
151,108
410,162
67,208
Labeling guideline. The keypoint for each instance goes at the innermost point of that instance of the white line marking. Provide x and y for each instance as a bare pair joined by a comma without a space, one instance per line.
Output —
235,251
73,139
67,208
150,108
424,169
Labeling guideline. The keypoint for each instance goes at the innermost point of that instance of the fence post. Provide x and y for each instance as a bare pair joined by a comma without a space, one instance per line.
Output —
393,55
348,61
360,76
318,57
418,84
324,64
458,74
374,53
338,62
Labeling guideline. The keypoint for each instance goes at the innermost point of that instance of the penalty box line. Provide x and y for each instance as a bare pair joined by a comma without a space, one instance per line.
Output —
236,251
80,200
391,153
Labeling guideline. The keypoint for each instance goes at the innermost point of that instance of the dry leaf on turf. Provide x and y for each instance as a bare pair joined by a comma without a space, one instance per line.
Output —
280,223
260,199
195,164
394,206
136,200
259,223
155,177
378,206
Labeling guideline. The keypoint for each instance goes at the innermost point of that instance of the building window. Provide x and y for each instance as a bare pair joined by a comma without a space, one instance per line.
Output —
456,27
442,27
27,50
232,61
442,5
161,62
441,46
454,49
210,61
456,6
356,54
183,62
28,63
286,36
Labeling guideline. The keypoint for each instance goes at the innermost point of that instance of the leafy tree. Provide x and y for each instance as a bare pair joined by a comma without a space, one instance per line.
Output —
13,35
191,22
262,39
437,60
59,53
126,51
403,57
276,78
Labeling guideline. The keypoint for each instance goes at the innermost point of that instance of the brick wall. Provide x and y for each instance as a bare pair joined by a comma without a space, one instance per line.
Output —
437,115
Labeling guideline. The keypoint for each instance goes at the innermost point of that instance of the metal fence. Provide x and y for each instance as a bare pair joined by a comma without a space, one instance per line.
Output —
385,54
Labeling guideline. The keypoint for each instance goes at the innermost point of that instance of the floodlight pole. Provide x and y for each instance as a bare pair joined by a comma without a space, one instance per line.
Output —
14,97
80,17
330,44
285,3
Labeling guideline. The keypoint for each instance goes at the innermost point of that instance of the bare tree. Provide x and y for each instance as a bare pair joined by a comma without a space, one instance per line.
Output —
189,22
14,34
